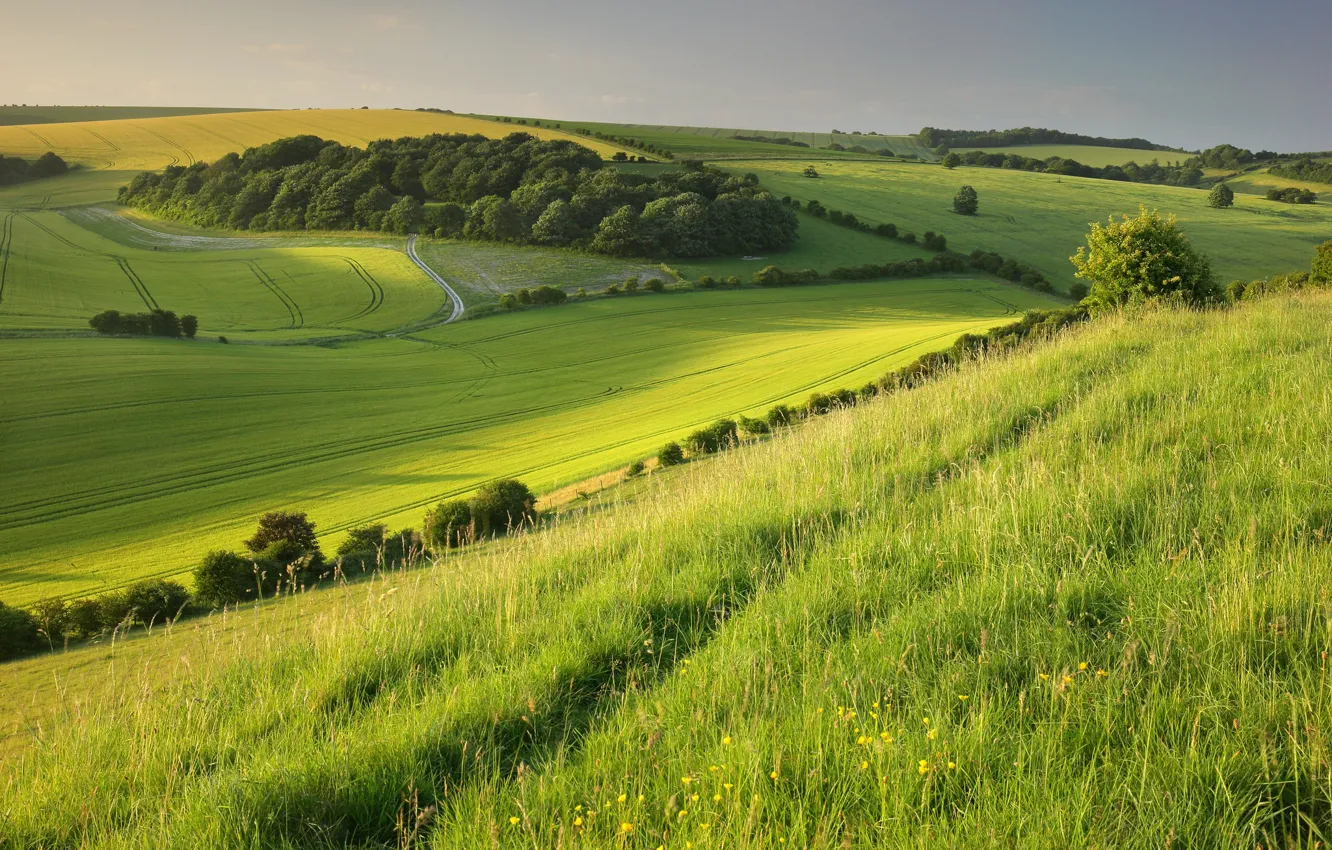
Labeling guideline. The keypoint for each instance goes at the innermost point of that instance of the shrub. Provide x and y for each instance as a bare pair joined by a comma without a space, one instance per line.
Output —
888,230
1078,291
655,284
154,601
222,340
909,238
1235,291
1143,258
83,618
734,281
753,427
292,527
612,290
768,276
189,326
670,455
810,171
635,469
508,301
502,506
631,284
225,578
52,616
714,438
966,202
706,282
18,633
780,415
364,538
449,525
934,241
818,404
581,293
1221,196
1322,263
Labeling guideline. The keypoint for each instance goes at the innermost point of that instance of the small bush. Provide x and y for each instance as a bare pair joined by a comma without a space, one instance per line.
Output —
717,436
753,427
612,290
449,525
155,601
631,284
290,526
780,415
52,616
671,454
225,578
363,538
508,301
222,340
502,506
83,619
733,281
635,469
818,404
655,284
18,633
706,282
1078,291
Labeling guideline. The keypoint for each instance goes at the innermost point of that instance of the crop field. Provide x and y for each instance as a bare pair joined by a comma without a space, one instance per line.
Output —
128,458
66,114
716,142
1092,155
1022,606
1041,218
150,143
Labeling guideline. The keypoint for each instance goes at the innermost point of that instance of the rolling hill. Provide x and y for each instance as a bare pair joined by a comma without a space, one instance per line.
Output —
1070,596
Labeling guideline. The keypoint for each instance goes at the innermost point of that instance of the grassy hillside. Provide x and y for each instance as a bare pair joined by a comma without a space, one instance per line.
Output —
129,458
1071,598
1042,218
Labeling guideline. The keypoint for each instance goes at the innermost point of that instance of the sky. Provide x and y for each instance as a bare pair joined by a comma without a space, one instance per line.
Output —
1184,73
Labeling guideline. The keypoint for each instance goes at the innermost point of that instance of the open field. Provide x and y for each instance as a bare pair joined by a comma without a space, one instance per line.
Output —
1092,155
1259,181
1073,597
132,145
128,458
1041,218
67,114
716,142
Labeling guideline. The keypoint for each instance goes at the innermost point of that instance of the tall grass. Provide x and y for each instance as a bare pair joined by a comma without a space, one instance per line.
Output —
1071,598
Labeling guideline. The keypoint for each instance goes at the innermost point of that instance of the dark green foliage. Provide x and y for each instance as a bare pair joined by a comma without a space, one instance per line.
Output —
888,230
83,619
938,264
707,282
154,323
717,436
1221,196
52,616
671,454
810,171
655,284
363,538
518,189
932,137
781,140
1304,168
951,161
909,238
508,301
502,506
966,201
780,415
818,404
1322,264
635,469
753,427
1292,196
1186,173
18,633
154,601
225,578
14,170
292,529
932,241
1078,291
543,296
449,525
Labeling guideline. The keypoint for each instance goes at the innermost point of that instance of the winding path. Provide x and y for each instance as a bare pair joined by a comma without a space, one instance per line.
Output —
433,275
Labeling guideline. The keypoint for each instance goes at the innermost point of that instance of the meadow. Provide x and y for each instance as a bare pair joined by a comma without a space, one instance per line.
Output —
1093,155
1072,596
131,458
1041,219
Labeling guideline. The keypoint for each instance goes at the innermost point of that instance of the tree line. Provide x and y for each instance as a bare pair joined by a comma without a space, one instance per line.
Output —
153,323
1292,195
933,137
1304,168
518,189
626,142
14,170
1186,173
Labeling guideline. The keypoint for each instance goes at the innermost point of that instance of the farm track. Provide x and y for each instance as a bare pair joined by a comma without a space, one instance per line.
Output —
376,290
39,137
140,288
293,309
433,275
6,239
190,160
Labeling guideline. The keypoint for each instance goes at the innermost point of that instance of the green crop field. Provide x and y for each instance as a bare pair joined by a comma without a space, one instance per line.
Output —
1069,597
1041,218
68,114
131,458
1092,155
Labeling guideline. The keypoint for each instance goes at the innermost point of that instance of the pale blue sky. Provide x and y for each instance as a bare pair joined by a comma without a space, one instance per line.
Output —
1182,73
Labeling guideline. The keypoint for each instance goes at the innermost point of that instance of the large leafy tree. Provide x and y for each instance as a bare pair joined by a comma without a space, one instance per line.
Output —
1322,264
1221,196
1143,258
967,202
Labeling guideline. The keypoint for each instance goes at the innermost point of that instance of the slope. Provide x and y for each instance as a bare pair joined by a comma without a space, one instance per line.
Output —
1072,597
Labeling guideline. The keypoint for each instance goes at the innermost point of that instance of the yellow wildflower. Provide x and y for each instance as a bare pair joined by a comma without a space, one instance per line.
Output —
923,767
578,821
727,740
933,733
626,827
1082,665
515,820
622,798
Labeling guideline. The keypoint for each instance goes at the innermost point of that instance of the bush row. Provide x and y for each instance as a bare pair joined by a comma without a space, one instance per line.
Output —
931,241
1292,195
938,264
282,556
14,170
153,323
1017,272
626,142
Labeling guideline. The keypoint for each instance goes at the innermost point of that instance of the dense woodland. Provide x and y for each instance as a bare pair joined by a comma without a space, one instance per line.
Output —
1305,168
517,189
14,170
933,137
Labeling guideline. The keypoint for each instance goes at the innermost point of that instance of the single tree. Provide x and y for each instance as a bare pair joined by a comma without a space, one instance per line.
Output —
290,527
967,202
1322,264
951,161
189,326
1142,258
670,455
811,171
1221,196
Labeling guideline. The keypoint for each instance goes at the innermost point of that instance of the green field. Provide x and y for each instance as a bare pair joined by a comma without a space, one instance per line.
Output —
1041,218
1093,155
130,458
717,142
1072,597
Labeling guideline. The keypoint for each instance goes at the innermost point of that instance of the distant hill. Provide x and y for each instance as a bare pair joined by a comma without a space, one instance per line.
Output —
11,115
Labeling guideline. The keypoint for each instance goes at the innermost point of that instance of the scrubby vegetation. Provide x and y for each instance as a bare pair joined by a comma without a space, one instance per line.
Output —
14,170
1292,195
1304,168
519,189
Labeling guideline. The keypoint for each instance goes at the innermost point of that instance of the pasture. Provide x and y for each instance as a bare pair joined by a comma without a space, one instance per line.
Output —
1041,219
1093,155
129,458
1022,606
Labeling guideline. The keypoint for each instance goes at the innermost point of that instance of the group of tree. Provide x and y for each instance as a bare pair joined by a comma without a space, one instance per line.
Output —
518,189
1292,195
1304,168
771,140
500,507
1009,269
153,323
14,170
1186,173
933,137
626,142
